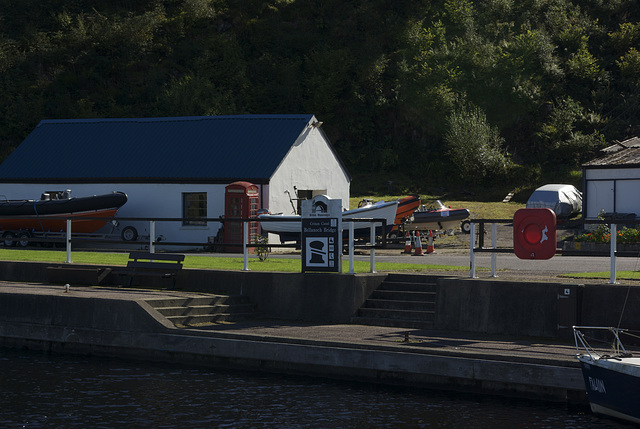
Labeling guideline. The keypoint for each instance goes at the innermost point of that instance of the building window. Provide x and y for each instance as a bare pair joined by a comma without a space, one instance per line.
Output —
194,207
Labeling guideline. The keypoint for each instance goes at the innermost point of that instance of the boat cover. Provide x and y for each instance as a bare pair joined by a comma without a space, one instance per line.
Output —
564,200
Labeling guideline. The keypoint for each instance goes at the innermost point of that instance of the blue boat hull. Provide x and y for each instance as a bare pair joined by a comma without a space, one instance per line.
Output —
612,393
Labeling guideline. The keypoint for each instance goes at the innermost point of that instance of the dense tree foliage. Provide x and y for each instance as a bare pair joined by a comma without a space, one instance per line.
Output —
486,88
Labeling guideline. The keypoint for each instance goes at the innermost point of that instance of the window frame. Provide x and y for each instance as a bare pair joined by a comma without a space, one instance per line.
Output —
200,211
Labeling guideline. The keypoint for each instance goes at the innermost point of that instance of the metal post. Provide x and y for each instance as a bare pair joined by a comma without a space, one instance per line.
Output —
152,236
68,241
351,238
245,228
494,255
472,259
612,273
372,258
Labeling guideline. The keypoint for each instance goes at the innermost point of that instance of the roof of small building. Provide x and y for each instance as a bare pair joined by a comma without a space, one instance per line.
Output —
217,149
623,154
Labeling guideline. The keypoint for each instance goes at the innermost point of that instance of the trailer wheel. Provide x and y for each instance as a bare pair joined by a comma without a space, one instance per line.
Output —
129,234
8,238
466,226
24,239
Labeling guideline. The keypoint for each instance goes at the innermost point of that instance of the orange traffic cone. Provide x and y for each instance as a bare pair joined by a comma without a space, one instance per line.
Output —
418,251
407,244
430,248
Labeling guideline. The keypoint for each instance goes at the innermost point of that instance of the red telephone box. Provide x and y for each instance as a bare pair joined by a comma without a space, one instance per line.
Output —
241,200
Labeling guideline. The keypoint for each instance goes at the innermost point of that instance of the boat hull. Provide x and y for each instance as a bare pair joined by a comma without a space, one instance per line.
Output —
437,220
289,227
406,207
54,223
50,215
613,386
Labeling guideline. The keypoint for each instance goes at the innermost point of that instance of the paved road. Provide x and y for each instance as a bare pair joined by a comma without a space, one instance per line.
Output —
507,264
557,264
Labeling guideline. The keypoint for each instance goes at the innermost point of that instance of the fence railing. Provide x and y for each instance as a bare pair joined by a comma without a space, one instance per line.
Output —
473,249
68,237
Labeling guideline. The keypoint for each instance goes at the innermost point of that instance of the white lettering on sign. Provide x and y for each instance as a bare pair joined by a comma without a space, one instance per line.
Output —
597,385
545,237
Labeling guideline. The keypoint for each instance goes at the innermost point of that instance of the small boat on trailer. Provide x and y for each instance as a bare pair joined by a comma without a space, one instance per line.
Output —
289,227
406,206
436,218
611,376
24,219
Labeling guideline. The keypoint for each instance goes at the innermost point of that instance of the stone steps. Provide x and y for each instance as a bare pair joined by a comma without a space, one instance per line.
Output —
205,310
402,300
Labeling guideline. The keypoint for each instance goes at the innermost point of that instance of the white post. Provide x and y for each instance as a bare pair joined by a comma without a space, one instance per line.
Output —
612,273
68,241
152,236
494,255
472,259
372,258
245,228
351,238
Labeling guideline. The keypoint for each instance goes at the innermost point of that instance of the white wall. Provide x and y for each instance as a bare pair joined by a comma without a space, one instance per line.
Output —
612,189
309,165
599,197
144,200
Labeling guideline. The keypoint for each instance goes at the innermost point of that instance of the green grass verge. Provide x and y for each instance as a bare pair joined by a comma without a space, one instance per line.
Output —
210,262
620,275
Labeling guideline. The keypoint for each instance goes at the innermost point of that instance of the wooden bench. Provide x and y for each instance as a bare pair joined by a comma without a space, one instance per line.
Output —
163,265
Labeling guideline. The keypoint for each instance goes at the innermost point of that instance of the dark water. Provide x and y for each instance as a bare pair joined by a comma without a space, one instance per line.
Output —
54,391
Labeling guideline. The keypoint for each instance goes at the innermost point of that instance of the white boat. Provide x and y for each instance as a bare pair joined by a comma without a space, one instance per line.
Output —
437,217
290,226
611,376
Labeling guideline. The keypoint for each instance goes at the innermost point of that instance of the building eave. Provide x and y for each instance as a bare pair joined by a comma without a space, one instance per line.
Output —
140,180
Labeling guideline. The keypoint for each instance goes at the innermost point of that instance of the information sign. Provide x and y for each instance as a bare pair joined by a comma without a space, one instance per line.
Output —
321,235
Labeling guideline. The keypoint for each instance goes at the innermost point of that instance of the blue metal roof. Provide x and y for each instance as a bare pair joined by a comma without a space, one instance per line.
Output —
203,148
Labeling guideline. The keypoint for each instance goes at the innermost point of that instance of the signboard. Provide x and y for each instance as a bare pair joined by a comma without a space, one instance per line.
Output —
321,235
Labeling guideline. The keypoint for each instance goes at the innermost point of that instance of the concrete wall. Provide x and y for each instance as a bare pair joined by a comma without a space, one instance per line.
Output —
314,297
611,305
88,313
463,304
317,297
498,307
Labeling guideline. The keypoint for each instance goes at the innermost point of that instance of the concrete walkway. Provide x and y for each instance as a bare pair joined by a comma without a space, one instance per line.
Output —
544,351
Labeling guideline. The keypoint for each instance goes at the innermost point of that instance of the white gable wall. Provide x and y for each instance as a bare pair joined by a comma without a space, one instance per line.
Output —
309,165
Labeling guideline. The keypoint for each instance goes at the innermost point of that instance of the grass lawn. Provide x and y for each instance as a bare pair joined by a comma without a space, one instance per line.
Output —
209,262
478,209
620,275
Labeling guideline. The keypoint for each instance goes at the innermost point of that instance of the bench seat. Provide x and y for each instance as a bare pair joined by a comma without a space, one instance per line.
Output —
144,264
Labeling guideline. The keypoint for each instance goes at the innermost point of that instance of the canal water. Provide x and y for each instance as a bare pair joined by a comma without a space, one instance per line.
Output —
40,390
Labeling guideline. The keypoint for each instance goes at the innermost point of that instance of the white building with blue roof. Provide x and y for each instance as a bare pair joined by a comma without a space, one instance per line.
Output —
160,163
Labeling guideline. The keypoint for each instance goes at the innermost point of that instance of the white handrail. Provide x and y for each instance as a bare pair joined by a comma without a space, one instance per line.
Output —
472,257
68,241
612,251
245,227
